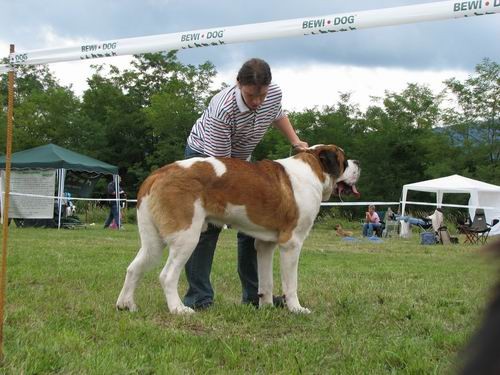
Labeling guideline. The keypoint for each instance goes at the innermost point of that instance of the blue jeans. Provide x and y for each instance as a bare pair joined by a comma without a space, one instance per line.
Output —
199,265
114,213
368,228
411,220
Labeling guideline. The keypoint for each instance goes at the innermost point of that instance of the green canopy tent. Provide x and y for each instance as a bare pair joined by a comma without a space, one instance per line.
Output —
53,157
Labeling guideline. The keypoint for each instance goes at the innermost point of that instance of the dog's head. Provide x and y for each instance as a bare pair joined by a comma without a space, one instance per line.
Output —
341,174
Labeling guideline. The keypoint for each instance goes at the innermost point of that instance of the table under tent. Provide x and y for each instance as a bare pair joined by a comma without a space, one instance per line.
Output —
44,181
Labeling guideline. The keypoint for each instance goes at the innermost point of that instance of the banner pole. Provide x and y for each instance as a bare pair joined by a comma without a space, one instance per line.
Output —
6,201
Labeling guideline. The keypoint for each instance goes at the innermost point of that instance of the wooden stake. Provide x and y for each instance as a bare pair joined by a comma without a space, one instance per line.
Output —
6,201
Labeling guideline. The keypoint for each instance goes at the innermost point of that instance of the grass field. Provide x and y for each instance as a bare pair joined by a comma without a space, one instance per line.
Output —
395,307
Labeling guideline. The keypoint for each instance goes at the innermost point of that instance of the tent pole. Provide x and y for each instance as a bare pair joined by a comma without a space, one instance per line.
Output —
60,194
6,201
439,198
117,197
473,204
58,177
403,201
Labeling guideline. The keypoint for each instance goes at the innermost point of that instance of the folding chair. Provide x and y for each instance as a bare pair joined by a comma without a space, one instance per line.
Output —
478,231
424,224
391,225
380,230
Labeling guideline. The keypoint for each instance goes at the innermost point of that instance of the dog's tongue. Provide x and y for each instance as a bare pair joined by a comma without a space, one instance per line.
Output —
347,189
355,191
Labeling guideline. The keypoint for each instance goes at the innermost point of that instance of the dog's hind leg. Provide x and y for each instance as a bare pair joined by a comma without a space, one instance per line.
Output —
181,246
148,256
265,251
289,261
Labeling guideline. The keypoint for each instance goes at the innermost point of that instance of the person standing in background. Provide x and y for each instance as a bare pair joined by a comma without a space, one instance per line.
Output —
114,207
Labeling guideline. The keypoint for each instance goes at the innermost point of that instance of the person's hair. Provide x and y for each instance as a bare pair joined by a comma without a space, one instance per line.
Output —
371,206
255,72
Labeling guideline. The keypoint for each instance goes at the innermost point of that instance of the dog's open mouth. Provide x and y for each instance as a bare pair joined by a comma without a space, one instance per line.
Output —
342,188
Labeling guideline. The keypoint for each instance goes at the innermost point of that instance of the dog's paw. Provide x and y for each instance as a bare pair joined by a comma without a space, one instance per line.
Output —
182,310
126,306
300,310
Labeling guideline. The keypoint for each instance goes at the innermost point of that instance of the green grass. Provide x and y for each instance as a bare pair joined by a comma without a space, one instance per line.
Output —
378,308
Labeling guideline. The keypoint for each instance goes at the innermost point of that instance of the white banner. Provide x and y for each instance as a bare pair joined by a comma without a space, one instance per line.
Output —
259,31
31,182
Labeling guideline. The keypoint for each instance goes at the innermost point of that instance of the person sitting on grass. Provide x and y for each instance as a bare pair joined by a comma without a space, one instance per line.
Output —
372,221
407,218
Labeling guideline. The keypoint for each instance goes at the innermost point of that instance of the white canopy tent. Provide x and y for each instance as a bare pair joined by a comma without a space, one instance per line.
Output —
482,195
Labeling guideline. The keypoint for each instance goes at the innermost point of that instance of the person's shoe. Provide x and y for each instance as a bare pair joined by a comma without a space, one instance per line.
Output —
203,306
253,302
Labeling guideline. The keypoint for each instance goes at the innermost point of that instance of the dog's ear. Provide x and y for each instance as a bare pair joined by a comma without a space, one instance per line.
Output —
296,150
329,162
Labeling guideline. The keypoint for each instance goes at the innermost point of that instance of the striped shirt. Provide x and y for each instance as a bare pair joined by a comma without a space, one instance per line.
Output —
228,128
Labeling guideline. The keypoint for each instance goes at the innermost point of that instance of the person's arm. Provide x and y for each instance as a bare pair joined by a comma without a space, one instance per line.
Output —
284,125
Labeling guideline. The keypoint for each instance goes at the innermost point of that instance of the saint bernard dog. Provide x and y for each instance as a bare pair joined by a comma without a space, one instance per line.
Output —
275,202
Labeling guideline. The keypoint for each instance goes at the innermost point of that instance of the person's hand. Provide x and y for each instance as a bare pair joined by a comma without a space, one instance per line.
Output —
300,146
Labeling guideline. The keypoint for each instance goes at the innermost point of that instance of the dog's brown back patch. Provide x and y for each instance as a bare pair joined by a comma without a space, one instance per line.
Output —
263,188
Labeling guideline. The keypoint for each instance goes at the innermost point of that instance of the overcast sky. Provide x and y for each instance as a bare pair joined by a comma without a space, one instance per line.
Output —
312,70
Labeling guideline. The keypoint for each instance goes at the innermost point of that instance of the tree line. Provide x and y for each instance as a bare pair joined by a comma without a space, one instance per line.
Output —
139,118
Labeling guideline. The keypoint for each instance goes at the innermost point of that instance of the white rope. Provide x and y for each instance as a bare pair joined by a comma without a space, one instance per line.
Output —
72,198
324,204
260,31
358,203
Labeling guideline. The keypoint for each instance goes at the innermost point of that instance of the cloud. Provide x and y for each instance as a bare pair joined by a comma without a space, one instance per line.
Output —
442,44
366,62
319,85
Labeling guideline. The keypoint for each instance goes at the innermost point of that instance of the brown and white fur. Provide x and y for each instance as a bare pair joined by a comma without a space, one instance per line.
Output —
275,202
341,232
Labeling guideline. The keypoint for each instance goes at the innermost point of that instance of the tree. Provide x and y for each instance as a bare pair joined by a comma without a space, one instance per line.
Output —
474,122
142,115
333,124
398,143
44,110
139,119
415,106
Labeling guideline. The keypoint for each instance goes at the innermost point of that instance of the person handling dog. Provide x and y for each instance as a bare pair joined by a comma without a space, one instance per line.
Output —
232,125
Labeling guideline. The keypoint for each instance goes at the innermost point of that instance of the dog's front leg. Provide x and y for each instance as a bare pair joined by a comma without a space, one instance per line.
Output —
289,256
265,251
